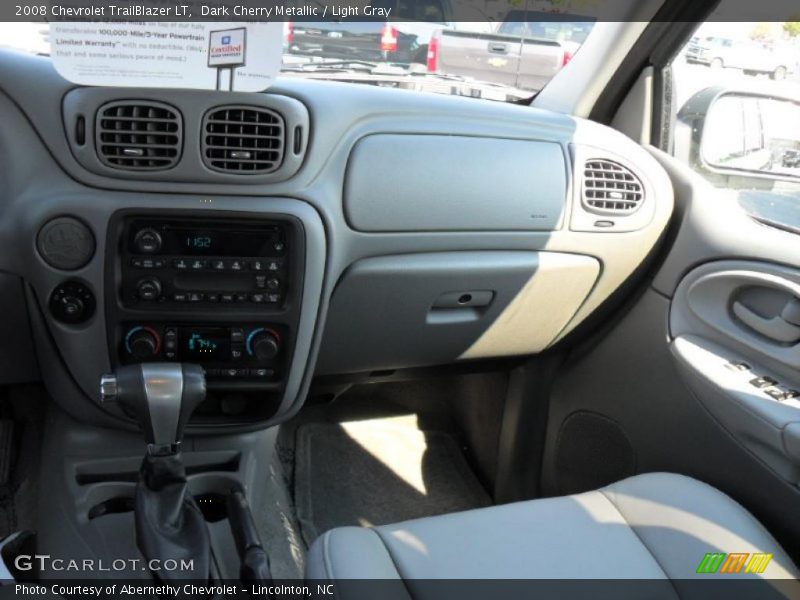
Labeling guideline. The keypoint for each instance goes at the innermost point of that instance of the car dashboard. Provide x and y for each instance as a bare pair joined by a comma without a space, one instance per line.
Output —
314,229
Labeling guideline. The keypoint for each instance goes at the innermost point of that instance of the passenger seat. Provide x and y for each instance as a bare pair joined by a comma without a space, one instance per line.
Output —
651,526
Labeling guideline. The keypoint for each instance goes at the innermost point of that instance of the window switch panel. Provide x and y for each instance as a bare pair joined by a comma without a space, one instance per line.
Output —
763,382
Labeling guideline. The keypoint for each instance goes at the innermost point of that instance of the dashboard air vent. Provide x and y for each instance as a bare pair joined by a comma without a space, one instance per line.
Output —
243,139
138,135
610,188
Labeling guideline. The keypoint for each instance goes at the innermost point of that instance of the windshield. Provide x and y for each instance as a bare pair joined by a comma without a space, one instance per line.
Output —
508,59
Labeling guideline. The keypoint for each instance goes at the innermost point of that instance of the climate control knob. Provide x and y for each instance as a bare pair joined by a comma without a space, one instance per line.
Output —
147,241
142,343
148,288
264,344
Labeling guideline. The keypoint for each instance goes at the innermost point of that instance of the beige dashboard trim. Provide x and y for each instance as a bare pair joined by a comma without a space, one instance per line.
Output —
541,309
561,293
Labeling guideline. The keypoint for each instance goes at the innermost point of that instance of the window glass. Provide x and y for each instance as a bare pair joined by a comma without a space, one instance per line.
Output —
737,94
424,50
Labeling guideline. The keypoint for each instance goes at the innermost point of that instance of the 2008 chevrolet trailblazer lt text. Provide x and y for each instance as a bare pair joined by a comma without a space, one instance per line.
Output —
426,306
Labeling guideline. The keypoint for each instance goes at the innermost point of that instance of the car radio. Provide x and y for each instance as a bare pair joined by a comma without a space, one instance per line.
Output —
167,262
223,291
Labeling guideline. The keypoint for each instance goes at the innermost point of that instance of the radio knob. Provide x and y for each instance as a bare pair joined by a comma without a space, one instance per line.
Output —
148,288
147,241
264,345
142,343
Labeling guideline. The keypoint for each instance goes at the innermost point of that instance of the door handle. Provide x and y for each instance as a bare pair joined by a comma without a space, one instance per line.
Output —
777,329
498,48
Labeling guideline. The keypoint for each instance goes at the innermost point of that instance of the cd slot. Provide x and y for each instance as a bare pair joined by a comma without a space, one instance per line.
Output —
221,282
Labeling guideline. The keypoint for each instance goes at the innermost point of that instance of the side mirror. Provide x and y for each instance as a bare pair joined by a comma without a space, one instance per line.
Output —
740,134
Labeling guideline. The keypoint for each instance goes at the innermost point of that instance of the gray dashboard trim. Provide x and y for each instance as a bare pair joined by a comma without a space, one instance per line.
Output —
406,183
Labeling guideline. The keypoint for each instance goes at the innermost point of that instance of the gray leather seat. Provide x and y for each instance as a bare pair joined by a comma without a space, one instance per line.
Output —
652,526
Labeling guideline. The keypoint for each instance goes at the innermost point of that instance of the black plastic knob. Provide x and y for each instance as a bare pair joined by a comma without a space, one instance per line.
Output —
142,344
148,288
265,345
72,302
147,241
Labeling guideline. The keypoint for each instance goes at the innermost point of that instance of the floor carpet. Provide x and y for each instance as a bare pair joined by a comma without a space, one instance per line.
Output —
378,471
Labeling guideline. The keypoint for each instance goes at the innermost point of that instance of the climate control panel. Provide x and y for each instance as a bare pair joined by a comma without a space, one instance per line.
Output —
246,350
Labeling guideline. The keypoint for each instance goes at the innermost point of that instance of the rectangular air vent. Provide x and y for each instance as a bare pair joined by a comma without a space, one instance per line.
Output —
138,135
243,139
610,188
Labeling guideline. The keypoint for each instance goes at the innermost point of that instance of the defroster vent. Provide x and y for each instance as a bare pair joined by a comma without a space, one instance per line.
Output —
138,135
243,139
610,188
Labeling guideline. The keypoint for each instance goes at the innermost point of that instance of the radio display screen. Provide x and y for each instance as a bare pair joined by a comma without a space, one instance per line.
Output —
199,242
206,344
211,239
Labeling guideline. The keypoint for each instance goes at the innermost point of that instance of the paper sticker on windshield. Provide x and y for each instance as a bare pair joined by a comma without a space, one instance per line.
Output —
225,56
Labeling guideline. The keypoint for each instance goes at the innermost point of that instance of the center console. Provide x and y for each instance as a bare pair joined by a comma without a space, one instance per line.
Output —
223,292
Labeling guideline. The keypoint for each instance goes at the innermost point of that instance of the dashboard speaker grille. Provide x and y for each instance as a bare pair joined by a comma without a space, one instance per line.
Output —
610,188
137,135
243,139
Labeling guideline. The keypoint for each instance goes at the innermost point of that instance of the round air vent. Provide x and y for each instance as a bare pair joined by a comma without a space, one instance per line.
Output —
610,188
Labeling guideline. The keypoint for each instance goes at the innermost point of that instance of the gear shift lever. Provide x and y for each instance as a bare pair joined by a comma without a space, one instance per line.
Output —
169,524
161,396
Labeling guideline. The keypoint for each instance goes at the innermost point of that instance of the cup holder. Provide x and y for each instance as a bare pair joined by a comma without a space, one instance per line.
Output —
213,506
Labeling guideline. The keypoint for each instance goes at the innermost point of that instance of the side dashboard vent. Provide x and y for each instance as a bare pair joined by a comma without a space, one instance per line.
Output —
610,188
243,140
138,135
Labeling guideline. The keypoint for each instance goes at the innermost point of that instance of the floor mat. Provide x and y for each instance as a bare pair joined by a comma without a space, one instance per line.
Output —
376,472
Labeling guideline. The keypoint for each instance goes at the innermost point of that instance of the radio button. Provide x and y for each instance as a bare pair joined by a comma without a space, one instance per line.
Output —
149,289
170,345
147,241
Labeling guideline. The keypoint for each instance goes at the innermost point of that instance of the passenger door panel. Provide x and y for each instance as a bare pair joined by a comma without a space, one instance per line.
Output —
737,348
